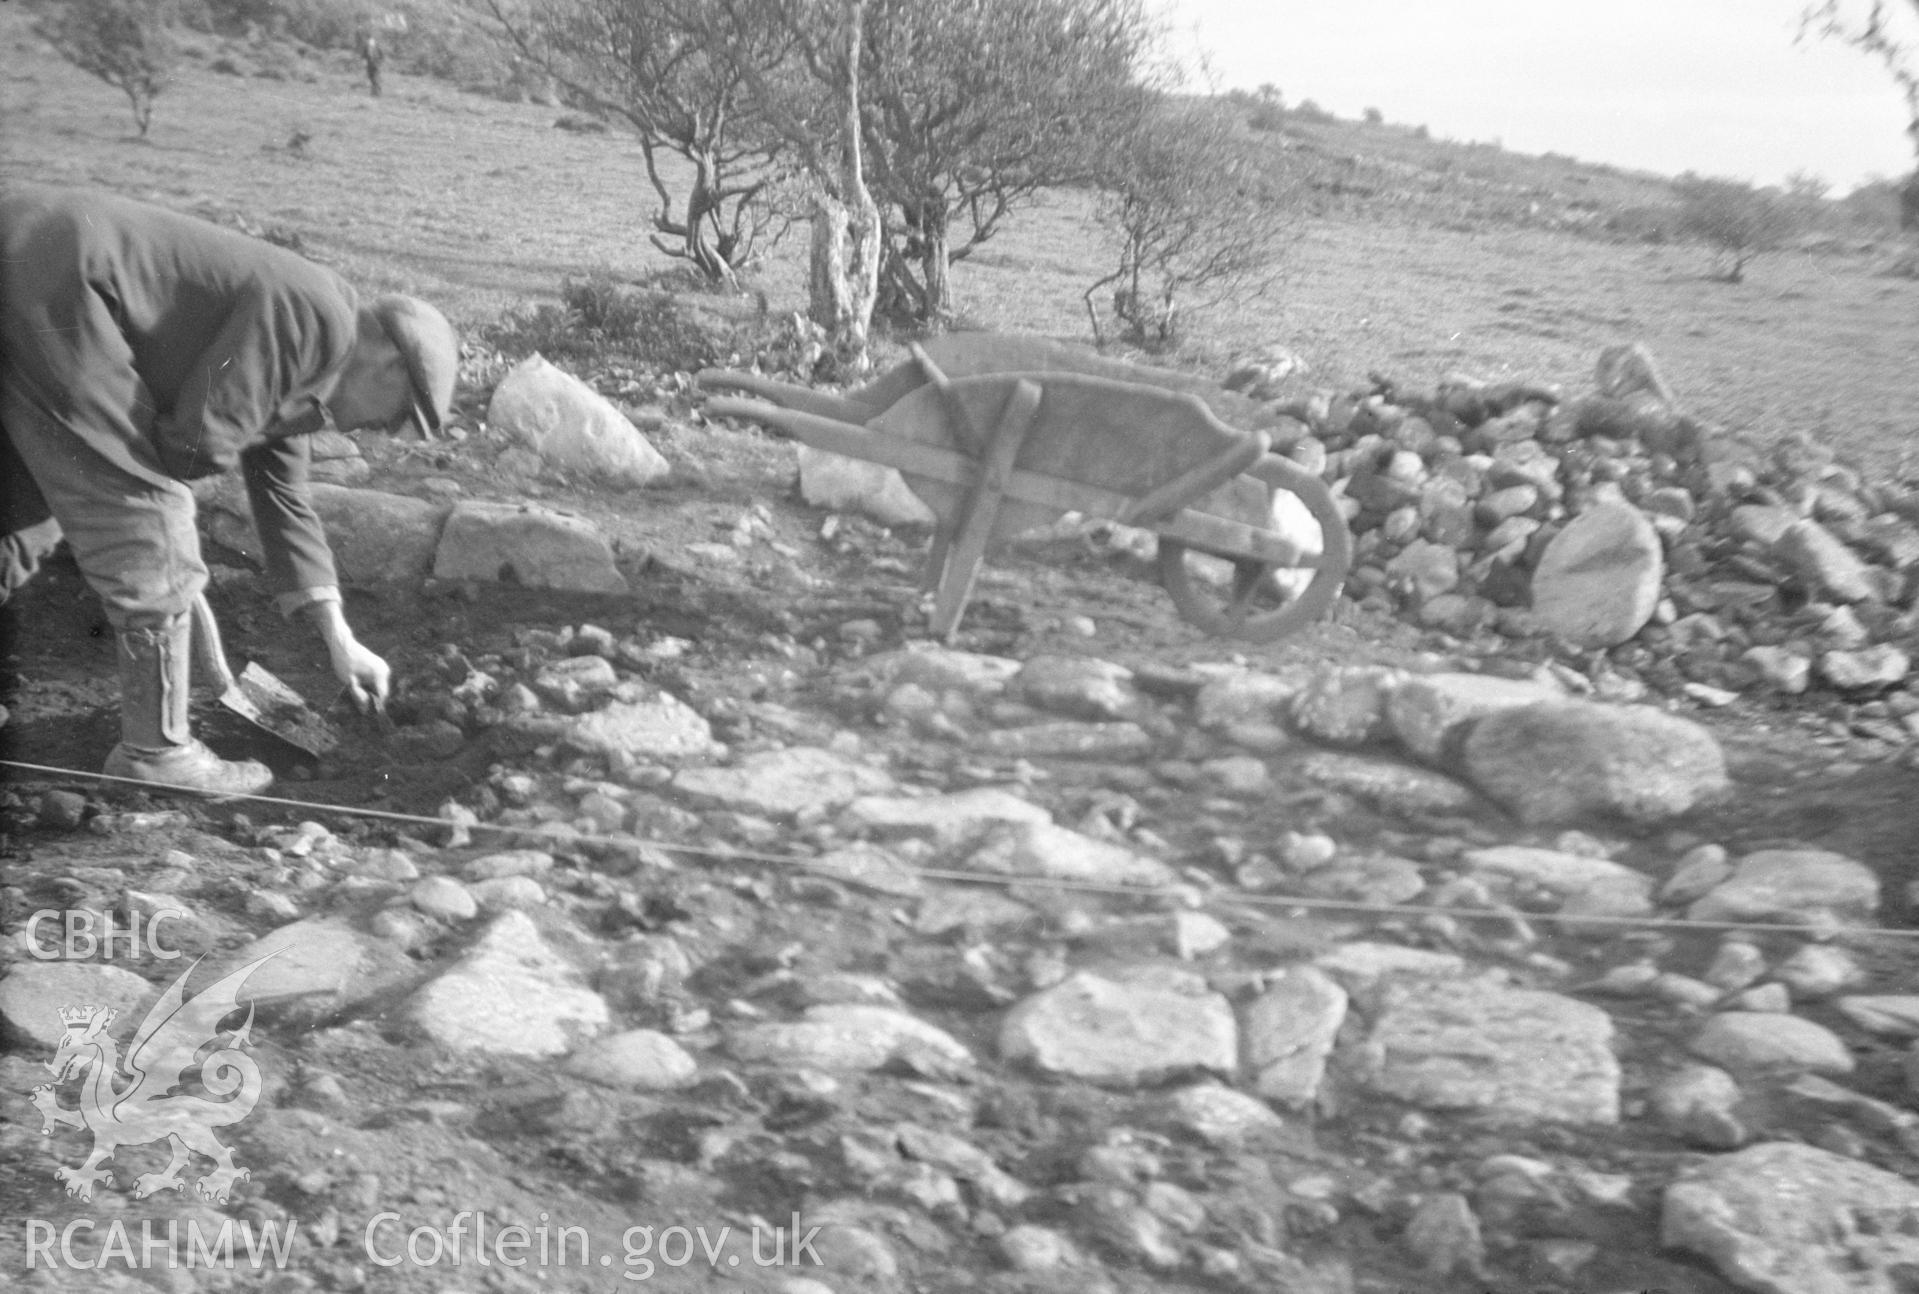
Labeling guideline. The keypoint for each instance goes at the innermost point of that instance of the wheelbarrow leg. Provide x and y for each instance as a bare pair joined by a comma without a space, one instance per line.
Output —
976,517
936,555
940,552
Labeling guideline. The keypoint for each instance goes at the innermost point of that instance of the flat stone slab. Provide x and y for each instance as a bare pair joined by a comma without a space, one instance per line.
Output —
781,783
640,1060
1429,713
944,819
1079,687
1290,1029
1768,1040
511,994
1506,1054
869,867
1391,784
1890,1015
1041,849
847,1037
1792,885
1784,1218
35,992
1125,1035
659,727
1242,697
1066,739
1361,963
1220,1115
1560,761
1561,873
317,968
941,669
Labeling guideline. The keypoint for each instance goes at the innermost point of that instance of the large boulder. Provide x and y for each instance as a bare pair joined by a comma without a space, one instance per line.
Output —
781,783
1429,713
534,547
1599,580
571,426
1509,1055
1824,563
377,538
34,994
511,994
829,480
1558,761
1124,1035
1782,1218
1792,885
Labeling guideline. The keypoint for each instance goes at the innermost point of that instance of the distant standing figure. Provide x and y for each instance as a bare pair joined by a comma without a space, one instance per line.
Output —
374,55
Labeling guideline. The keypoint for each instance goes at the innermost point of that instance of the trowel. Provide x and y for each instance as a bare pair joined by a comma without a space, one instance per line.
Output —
257,696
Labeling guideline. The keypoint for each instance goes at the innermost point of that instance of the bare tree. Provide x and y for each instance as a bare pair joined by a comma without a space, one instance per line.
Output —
126,43
970,107
812,102
676,72
1196,216
843,281
1736,220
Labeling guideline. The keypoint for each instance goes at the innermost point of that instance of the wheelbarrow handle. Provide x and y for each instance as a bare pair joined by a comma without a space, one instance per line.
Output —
787,395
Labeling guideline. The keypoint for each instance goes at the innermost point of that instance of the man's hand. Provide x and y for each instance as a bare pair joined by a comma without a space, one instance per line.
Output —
367,677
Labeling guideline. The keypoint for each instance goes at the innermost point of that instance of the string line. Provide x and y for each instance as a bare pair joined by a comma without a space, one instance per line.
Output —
801,862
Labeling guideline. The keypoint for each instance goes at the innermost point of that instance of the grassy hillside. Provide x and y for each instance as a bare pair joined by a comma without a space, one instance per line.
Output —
1413,258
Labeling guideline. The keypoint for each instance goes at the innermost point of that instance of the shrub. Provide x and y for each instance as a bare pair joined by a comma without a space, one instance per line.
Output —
1374,117
1736,220
598,318
126,43
1194,218
1266,117
1311,111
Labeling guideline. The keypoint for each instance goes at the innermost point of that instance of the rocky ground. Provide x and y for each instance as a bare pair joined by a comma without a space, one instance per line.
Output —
1433,950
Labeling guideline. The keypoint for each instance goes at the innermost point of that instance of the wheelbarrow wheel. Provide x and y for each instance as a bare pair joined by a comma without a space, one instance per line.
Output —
1247,606
1252,606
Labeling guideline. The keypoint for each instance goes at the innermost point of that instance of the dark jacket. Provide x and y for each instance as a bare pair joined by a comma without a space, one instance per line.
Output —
177,349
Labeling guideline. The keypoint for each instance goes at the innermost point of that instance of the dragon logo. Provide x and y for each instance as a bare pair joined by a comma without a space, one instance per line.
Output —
147,1103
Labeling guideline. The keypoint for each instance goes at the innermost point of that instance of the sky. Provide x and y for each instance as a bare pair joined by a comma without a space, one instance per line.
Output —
1721,87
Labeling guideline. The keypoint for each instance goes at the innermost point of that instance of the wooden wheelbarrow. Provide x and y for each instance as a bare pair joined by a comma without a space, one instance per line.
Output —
1002,434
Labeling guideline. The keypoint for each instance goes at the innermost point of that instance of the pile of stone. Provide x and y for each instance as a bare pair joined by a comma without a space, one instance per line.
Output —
1612,520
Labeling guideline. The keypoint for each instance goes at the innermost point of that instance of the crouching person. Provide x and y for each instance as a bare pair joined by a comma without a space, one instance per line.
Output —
141,350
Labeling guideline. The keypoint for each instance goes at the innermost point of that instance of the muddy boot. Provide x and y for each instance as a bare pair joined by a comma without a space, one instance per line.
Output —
156,668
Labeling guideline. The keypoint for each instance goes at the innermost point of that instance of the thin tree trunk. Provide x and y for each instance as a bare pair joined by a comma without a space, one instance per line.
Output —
936,301
829,299
845,265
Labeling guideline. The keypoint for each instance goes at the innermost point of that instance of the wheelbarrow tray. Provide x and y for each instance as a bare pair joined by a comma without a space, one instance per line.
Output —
1097,447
